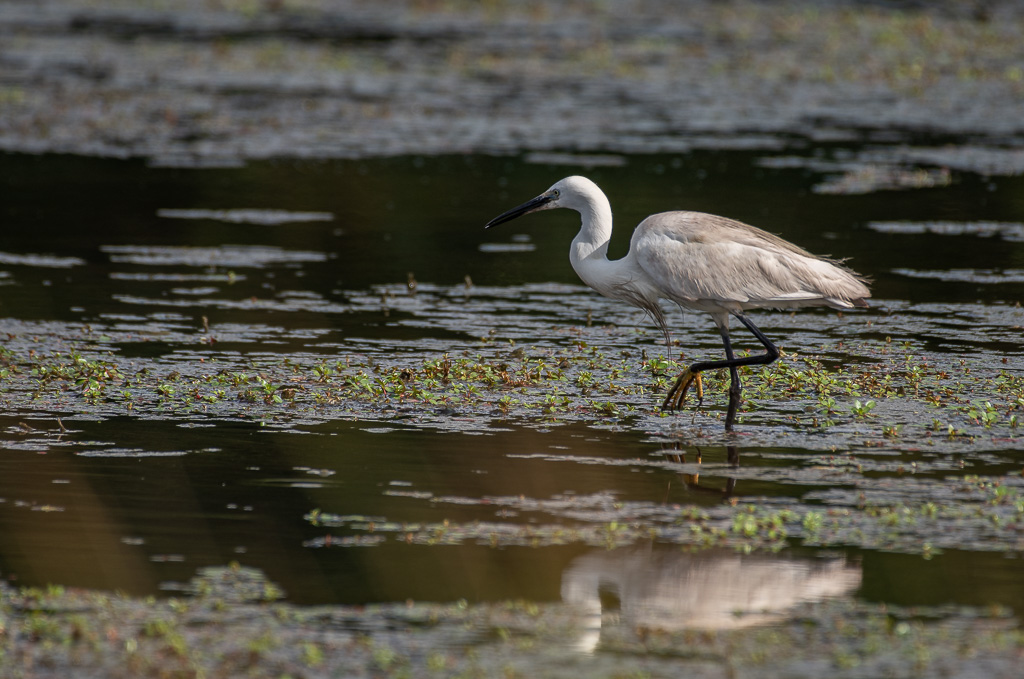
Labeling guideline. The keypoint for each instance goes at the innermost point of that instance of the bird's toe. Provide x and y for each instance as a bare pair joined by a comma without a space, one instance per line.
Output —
677,394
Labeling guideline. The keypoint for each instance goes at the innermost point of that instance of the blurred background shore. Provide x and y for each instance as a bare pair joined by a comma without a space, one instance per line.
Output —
203,82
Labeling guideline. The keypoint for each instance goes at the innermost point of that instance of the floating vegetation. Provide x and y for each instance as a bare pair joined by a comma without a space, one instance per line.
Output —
231,626
895,389
920,516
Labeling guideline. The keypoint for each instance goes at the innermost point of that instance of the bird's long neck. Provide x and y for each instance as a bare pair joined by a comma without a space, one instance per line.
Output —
589,251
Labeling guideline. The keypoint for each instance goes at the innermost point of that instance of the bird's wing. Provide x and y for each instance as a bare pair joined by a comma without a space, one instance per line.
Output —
695,257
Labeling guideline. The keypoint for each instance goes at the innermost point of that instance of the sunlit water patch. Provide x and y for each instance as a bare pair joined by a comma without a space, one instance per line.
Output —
507,247
136,452
146,276
39,260
981,276
247,216
886,167
1008,231
252,256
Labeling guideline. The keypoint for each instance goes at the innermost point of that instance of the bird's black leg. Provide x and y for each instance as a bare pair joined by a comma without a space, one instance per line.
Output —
735,386
730,413
674,399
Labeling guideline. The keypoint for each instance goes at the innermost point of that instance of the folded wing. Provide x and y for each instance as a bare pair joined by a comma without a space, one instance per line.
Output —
698,259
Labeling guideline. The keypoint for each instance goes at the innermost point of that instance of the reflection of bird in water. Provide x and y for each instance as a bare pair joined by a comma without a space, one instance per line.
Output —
666,589
675,452
701,262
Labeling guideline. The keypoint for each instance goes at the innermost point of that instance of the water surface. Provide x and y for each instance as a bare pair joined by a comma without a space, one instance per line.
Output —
270,270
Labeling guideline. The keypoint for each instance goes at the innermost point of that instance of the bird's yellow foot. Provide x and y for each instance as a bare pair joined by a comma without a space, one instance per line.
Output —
677,394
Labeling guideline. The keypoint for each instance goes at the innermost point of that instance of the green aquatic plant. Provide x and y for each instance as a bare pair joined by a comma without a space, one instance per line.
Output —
983,413
862,409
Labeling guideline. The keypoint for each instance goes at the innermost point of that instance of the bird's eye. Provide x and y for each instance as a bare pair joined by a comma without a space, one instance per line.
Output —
554,194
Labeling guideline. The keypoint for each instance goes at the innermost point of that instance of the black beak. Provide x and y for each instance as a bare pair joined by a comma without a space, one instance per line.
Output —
529,206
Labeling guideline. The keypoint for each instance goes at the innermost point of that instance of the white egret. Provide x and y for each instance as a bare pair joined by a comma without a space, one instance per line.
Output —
702,262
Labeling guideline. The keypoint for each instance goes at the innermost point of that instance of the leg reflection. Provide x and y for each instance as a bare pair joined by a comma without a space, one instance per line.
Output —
691,481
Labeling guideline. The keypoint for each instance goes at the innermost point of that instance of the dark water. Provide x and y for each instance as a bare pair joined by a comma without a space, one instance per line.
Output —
137,502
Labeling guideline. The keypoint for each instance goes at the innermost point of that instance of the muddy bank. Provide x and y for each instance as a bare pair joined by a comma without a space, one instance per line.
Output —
220,82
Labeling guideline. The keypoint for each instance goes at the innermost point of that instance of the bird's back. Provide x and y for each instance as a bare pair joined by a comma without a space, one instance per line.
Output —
704,261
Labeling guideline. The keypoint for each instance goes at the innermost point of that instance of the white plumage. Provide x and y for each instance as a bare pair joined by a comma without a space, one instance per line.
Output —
699,261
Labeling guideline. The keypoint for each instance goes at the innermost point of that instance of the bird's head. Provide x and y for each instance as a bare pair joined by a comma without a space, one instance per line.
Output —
571,192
